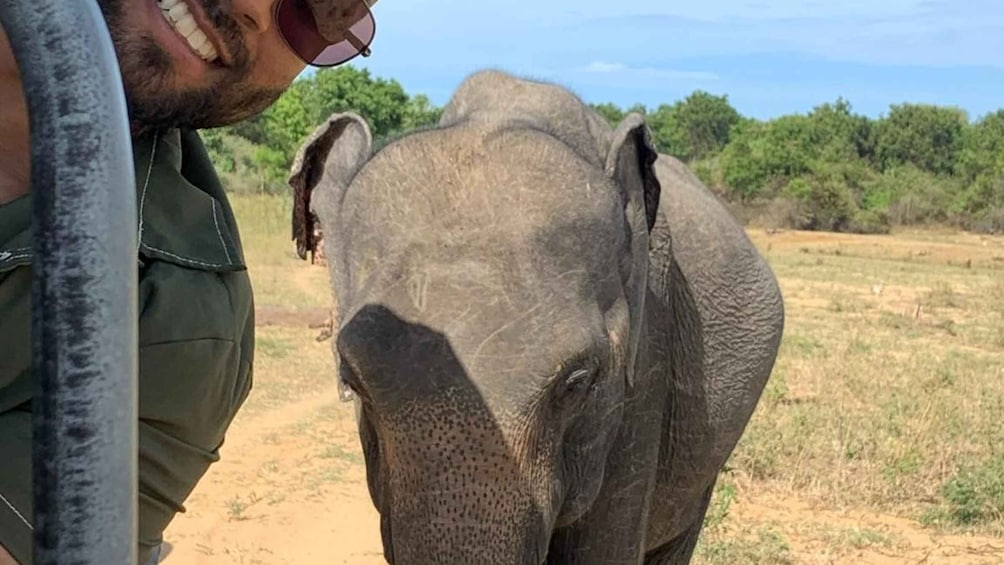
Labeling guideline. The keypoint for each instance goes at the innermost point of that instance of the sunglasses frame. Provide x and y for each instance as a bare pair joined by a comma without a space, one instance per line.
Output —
350,37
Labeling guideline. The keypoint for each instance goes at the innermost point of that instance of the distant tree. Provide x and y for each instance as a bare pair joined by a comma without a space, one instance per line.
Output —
981,168
983,148
838,133
610,111
638,109
252,129
420,112
745,168
695,127
383,103
927,136
288,122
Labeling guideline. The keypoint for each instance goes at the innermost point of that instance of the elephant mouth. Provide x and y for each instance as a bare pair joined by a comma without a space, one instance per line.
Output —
387,539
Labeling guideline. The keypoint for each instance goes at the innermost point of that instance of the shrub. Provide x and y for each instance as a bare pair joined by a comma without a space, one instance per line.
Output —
870,222
989,221
909,195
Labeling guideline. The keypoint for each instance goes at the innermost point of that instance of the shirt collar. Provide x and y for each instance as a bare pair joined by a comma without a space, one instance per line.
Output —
183,214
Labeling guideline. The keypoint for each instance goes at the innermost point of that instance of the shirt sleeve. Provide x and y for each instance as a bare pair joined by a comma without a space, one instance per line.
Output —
195,372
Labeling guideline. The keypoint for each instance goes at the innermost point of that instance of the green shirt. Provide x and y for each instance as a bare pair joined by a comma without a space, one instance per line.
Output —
196,336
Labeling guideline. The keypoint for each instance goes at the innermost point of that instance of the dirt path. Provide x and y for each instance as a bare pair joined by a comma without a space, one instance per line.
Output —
288,489
291,489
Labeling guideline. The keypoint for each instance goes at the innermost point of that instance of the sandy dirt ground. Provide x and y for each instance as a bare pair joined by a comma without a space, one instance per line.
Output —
289,488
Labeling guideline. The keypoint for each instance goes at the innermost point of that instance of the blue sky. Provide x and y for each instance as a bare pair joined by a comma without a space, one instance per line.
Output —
770,57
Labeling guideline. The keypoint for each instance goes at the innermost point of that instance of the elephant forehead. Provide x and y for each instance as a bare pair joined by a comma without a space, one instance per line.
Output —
489,333
468,182
562,272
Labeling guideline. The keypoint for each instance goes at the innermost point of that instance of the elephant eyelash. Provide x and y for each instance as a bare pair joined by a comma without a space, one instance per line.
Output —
578,378
584,361
576,375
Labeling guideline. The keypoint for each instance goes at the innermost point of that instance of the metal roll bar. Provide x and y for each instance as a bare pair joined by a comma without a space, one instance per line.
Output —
84,299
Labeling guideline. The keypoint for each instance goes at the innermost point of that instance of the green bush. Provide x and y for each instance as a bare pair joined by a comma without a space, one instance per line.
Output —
870,222
909,195
974,495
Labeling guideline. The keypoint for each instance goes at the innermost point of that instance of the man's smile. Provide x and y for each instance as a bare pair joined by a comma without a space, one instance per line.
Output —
193,33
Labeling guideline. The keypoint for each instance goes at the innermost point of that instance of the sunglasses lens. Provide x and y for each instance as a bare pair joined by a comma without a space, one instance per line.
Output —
296,22
363,32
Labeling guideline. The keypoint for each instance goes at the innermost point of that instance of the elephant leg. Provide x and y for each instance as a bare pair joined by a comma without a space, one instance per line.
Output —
680,550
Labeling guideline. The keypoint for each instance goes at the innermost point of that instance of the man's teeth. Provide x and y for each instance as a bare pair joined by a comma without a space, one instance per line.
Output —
177,15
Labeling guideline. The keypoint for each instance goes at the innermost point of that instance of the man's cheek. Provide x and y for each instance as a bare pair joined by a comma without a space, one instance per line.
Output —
277,68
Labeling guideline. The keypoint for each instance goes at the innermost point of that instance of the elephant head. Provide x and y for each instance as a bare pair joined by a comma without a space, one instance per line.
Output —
489,277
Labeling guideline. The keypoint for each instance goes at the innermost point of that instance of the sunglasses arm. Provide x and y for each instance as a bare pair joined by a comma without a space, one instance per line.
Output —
363,49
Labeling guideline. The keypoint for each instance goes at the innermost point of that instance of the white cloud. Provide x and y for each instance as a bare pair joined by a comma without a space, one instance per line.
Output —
603,67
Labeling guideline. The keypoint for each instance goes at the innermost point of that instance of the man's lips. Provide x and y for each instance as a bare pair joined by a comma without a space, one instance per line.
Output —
188,21
207,27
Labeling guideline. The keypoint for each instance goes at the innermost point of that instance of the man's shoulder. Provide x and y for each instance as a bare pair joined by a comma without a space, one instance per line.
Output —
194,283
194,292
193,280
184,214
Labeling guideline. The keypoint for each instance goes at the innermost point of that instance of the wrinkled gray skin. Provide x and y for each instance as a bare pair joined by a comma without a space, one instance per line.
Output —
539,377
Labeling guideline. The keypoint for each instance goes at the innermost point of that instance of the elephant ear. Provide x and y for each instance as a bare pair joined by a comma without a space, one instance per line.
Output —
630,164
334,152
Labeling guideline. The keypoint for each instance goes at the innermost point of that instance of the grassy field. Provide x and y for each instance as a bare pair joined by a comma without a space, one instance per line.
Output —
878,439
886,398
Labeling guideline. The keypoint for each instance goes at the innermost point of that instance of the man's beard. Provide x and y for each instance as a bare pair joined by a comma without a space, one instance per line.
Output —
155,103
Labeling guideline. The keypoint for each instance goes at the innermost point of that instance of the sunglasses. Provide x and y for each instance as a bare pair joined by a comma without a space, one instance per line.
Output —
298,27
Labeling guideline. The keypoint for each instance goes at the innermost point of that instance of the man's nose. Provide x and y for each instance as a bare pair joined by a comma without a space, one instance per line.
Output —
256,15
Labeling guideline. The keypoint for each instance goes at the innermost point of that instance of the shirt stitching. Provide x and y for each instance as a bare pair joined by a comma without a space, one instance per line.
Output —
22,253
219,233
143,201
146,185
15,254
16,513
195,261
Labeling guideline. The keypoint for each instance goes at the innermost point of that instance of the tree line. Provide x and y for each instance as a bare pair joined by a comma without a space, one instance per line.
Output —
829,169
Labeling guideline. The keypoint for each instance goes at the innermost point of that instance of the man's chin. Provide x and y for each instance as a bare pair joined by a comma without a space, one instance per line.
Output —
158,97
201,109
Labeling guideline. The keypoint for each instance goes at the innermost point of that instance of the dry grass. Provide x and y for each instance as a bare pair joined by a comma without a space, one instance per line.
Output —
888,389
879,427
271,254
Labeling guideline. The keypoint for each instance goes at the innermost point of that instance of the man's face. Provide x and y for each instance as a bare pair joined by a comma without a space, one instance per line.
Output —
199,63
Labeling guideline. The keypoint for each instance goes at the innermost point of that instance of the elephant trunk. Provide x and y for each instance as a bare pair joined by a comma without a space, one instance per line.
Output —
457,475
460,495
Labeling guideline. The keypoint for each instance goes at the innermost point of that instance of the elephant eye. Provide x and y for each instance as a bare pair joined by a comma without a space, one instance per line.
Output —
575,387
579,381
575,379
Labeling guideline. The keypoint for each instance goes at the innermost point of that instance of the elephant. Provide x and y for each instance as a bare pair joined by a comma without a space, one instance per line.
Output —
554,335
